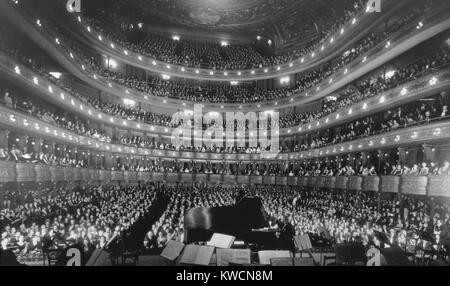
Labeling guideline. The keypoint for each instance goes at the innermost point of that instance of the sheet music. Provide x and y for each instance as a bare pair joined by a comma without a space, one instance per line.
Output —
221,240
238,256
172,250
266,255
197,255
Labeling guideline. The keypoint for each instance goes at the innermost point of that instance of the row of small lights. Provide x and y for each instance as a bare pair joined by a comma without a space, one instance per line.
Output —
100,115
240,107
97,145
42,144
110,84
364,60
239,73
63,135
330,81
62,96
414,135
404,91
225,73
17,70
128,92
388,44
168,66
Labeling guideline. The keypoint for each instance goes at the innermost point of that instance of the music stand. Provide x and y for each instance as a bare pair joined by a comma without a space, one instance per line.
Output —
112,246
321,243
425,236
303,243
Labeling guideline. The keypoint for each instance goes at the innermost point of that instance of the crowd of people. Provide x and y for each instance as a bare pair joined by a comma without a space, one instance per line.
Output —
416,113
42,157
421,112
34,219
366,89
170,225
69,158
80,126
344,217
242,93
388,168
411,114
371,87
348,217
224,57
91,216
118,110
354,93
54,117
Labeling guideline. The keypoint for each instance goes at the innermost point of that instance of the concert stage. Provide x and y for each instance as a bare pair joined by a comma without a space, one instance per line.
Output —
156,260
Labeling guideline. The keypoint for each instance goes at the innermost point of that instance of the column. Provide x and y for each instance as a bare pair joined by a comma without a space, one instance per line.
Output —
108,161
428,153
401,155
4,136
381,159
411,156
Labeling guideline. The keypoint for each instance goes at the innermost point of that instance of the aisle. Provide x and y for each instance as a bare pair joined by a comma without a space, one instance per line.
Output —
136,235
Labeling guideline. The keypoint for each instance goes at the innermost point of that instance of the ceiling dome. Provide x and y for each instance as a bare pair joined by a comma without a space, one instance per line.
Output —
285,21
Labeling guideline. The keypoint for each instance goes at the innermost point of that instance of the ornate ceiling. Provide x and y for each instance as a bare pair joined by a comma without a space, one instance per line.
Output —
283,20
219,14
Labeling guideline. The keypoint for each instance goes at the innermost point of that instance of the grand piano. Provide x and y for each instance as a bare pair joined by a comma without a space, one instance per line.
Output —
247,221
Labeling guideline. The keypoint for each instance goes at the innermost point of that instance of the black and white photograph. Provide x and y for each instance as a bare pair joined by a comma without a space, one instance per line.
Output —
226,135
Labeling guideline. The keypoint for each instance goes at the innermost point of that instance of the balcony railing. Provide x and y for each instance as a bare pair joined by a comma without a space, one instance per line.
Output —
103,44
431,132
399,42
417,88
436,186
431,26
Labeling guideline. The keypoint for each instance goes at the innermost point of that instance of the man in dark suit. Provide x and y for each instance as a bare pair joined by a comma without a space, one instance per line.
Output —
287,234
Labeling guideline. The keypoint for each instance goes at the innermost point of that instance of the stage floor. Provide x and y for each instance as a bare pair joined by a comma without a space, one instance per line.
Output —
156,260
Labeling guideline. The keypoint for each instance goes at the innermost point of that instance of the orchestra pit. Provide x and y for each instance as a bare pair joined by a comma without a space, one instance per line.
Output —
225,133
